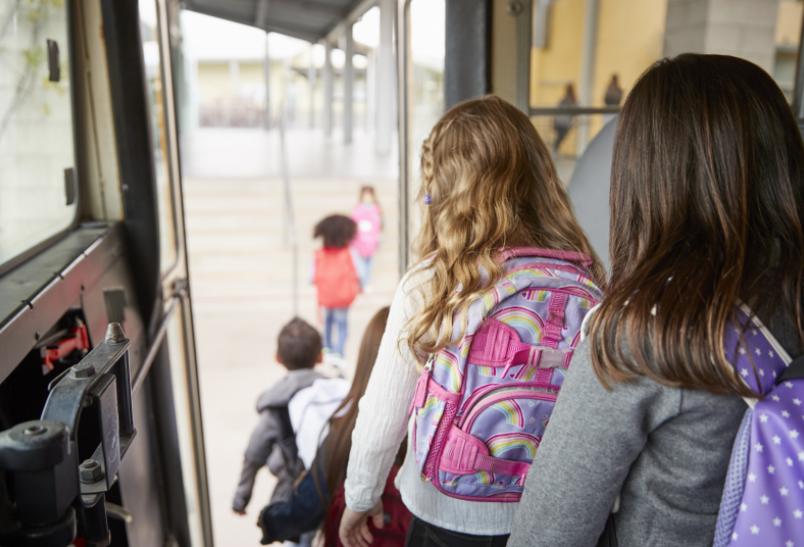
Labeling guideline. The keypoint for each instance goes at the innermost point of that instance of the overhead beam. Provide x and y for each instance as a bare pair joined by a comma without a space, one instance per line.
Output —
320,7
293,32
262,17
332,34
212,12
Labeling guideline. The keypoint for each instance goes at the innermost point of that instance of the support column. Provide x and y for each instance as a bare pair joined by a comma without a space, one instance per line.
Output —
524,28
266,76
587,80
371,93
329,95
348,85
468,61
742,28
234,85
311,83
385,83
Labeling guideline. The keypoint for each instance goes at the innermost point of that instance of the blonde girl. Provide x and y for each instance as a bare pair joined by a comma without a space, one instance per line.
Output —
488,183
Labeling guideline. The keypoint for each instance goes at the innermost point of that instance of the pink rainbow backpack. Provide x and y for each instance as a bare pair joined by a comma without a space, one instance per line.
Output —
481,405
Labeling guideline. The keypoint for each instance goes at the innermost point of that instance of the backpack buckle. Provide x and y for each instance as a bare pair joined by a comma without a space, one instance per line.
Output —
420,395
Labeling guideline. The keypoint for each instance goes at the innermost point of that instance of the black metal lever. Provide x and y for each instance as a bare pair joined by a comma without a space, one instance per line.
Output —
40,458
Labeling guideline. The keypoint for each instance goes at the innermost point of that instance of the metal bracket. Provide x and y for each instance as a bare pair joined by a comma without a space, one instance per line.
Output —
102,376
40,458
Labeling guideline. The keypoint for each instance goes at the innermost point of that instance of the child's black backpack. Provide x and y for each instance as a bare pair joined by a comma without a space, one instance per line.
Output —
299,512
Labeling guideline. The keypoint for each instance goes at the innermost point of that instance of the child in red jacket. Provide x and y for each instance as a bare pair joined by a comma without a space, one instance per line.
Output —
335,278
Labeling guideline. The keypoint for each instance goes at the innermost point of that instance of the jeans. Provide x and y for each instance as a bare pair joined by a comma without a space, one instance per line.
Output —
335,318
423,534
363,264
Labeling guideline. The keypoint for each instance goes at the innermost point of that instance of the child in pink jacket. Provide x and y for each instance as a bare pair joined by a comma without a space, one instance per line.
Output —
368,217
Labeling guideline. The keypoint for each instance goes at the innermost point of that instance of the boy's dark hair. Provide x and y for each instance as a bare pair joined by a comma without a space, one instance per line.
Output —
298,344
336,230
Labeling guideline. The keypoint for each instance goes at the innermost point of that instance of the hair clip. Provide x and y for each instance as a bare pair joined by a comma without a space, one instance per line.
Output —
428,199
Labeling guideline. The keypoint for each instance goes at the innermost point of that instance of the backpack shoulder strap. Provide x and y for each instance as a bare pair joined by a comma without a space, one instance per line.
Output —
286,442
754,353
287,434
282,415
794,371
570,256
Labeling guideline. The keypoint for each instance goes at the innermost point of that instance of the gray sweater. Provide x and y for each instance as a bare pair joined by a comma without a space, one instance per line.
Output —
663,450
263,447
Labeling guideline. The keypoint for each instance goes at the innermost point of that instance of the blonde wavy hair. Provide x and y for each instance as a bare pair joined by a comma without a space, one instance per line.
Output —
491,184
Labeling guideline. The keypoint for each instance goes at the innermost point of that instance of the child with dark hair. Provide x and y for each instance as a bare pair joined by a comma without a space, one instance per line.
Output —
318,499
335,278
273,441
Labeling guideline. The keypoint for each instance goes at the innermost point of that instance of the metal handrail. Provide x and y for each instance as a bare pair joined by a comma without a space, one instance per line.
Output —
291,232
156,341
572,110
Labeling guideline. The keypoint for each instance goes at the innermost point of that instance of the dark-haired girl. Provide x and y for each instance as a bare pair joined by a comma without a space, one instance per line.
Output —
707,205
335,278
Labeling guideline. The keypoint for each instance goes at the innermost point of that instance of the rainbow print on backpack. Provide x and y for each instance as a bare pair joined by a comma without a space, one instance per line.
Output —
763,496
482,405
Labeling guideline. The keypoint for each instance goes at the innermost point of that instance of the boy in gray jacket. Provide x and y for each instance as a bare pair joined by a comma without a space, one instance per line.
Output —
273,442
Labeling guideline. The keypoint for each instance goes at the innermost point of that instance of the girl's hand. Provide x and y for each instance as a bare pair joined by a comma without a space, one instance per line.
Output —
354,530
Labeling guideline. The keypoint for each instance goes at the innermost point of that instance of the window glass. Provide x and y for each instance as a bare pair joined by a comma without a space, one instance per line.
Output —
589,53
427,40
36,125
149,31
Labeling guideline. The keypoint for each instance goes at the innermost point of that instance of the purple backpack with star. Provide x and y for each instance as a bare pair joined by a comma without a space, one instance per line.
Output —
763,496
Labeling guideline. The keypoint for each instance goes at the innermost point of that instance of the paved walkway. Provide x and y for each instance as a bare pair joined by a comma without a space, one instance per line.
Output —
241,275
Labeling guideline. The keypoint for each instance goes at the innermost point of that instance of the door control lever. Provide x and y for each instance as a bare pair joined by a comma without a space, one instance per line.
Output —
47,496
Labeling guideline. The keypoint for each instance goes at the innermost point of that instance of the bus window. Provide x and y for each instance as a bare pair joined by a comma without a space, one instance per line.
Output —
586,55
151,52
424,89
37,180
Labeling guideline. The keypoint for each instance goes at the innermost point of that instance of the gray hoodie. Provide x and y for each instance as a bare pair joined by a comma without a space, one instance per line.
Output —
272,443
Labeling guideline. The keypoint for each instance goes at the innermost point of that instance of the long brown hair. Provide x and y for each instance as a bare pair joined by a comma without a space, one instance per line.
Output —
491,184
339,440
706,202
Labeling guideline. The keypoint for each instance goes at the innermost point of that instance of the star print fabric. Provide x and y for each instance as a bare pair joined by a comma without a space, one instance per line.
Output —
763,498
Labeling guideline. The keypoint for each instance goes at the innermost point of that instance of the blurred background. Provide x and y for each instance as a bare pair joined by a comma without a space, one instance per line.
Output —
277,132
263,117
263,160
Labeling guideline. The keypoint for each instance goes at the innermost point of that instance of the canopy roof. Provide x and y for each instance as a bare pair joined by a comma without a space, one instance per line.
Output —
310,20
